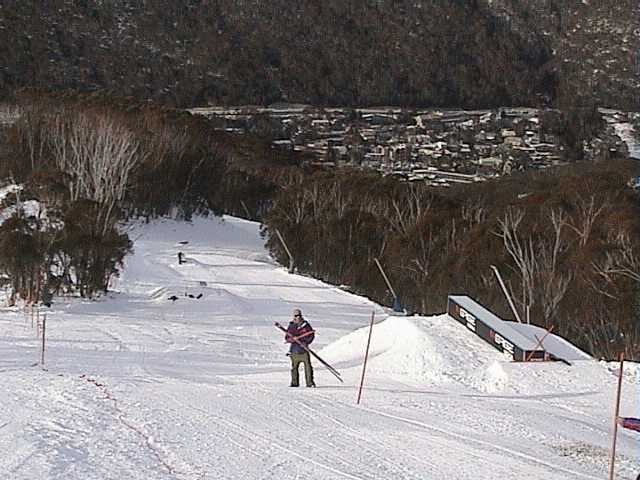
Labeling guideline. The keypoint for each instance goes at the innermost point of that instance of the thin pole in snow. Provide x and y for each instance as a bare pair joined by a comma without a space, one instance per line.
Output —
246,210
366,356
386,279
44,329
286,249
612,460
506,292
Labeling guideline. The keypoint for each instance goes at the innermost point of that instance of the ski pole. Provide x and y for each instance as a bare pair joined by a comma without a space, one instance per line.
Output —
329,367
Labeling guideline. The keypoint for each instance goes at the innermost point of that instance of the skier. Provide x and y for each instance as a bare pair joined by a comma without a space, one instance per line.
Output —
181,258
300,329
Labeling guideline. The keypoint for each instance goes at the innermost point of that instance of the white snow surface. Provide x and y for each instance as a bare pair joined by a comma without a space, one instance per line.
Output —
137,386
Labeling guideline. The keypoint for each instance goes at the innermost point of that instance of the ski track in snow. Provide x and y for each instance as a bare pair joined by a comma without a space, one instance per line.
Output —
140,387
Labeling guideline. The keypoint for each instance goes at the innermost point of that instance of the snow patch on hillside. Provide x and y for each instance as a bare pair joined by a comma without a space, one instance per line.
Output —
628,134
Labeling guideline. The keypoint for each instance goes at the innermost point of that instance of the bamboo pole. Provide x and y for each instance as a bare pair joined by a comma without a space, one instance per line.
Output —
366,356
246,210
386,279
506,292
612,459
286,249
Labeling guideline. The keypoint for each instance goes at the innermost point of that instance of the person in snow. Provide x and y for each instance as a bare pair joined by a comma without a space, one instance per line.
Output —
299,329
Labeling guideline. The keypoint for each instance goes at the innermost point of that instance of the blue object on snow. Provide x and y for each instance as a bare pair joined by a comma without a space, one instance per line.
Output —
397,306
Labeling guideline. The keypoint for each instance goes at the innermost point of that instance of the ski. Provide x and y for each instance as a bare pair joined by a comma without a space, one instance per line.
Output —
301,336
315,355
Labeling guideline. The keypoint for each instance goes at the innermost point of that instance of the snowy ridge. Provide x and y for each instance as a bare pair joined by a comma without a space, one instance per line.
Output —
139,385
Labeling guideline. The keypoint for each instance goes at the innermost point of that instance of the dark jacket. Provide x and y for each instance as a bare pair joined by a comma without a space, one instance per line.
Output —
293,331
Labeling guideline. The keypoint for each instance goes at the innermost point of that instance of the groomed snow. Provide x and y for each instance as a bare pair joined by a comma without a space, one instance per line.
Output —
138,386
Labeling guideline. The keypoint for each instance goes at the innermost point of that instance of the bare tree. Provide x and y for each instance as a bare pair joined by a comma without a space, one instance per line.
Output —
522,252
297,201
408,211
622,260
554,282
474,212
31,119
167,143
99,153
588,212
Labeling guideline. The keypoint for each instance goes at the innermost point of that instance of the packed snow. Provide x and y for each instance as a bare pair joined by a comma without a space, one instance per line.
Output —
179,373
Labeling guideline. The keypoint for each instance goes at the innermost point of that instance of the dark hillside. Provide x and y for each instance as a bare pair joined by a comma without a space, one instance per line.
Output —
438,52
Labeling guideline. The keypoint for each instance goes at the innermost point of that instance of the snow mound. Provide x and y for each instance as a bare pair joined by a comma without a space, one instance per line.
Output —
439,351
398,348
420,350
200,299
493,380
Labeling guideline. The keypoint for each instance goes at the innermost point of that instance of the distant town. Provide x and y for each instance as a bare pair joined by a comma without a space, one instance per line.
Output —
439,147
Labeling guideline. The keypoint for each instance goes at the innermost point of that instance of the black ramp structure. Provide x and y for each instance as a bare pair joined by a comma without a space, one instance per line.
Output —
516,339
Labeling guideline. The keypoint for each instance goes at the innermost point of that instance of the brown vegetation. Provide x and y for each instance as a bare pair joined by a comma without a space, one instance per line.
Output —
442,52
332,52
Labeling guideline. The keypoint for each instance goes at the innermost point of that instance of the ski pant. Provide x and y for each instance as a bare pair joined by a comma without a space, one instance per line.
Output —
296,360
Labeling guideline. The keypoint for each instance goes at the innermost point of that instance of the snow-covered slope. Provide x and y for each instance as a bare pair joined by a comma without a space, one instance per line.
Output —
139,386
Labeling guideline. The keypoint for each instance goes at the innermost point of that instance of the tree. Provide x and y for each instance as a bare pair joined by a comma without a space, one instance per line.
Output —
99,153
